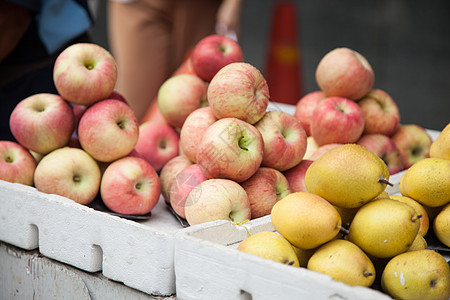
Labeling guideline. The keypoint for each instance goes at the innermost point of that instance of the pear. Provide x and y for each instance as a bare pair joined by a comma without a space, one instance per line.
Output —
343,261
440,148
270,245
422,274
384,228
347,176
427,181
441,225
347,214
305,220
303,255
419,243
420,210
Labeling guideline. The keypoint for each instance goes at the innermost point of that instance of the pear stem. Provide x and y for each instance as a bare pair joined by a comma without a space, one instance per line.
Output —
415,218
343,229
367,274
383,180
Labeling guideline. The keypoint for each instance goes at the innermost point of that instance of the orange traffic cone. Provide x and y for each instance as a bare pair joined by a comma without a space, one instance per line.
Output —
283,63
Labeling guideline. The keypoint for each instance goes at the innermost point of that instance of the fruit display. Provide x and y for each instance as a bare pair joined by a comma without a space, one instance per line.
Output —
82,141
220,154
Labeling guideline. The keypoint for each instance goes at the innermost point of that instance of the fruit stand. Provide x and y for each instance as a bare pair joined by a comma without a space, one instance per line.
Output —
99,218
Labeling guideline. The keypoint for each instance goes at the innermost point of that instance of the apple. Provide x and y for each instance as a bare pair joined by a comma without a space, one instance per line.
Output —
157,143
169,172
118,96
212,53
264,189
305,108
321,150
296,176
230,149
217,199
344,72
69,172
384,148
130,186
337,120
180,95
85,73
381,113
16,163
239,90
192,131
183,184
311,147
284,140
42,122
413,142
108,130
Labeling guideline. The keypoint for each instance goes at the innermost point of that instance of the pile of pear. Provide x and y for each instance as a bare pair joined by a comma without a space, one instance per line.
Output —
348,227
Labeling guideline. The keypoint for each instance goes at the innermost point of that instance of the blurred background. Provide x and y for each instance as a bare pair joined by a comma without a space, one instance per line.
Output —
407,43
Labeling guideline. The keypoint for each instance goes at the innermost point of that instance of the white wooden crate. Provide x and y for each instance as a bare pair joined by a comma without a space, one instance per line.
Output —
139,254
208,266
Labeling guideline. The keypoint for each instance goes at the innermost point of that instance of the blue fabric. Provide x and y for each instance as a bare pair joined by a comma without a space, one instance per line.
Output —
60,21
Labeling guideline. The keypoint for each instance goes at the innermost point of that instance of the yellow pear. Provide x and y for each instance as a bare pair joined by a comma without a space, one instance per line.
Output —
420,210
441,225
440,148
347,176
305,220
427,181
422,274
384,228
382,195
343,261
419,243
270,245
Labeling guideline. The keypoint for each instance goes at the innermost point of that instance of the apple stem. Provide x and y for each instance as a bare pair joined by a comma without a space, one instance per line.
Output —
415,218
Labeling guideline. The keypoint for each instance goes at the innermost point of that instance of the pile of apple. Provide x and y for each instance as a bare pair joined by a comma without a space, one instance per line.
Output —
347,109
83,141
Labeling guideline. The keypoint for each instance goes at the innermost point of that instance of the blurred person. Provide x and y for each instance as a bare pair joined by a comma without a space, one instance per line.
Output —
151,38
32,34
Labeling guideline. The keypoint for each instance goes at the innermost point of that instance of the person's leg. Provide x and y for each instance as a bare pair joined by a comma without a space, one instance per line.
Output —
193,20
139,37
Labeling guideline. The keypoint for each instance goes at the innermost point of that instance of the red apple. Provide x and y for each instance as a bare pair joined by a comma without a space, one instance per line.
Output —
346,73
131,186
264,189
108,130
183,184
217,199
42,122
385,149
413,142
212,53
85,73
16,163
381,113
296,176
192,131
305,108
157,143
69,172
240,91
180,95
337,120
230,149
169,172
284,140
